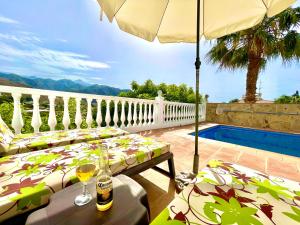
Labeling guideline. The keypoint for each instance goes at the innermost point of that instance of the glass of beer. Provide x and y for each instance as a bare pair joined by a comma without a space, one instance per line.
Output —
85,171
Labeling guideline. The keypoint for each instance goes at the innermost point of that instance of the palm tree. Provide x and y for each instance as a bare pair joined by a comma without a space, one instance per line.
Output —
251,48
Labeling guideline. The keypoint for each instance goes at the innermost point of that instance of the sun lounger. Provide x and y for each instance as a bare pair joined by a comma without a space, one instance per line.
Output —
29,179
11,144
226,193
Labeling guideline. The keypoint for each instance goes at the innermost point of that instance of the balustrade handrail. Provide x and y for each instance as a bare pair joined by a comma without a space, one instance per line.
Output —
131,114
43,92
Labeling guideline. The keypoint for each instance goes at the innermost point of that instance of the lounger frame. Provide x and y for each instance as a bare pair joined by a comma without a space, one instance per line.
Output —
153,164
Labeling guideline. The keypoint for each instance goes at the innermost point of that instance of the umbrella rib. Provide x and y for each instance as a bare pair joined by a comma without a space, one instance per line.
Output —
162,18
265,5
119,9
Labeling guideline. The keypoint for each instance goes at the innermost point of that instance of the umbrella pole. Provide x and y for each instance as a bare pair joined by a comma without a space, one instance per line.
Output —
197,66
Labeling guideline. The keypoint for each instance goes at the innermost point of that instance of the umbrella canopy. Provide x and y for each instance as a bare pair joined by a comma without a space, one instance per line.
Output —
187,21
175,20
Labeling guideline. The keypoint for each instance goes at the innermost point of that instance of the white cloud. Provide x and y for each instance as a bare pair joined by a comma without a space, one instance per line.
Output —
24,53
62,40
4,19
51,58
21,39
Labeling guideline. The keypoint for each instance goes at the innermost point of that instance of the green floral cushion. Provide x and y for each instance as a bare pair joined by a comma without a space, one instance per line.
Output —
6,136
28,180
31,142
225,193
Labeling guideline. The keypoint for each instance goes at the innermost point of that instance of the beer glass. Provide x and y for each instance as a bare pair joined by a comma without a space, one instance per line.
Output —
85,171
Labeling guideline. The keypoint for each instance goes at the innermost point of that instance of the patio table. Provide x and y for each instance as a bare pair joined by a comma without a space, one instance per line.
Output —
130,206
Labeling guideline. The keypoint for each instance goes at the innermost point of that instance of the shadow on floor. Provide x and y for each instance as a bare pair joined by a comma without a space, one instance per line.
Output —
161,191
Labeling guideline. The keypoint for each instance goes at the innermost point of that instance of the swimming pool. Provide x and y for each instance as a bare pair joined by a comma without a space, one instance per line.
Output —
283,143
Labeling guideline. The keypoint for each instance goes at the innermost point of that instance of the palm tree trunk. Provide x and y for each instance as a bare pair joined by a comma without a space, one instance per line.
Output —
254,65
252,77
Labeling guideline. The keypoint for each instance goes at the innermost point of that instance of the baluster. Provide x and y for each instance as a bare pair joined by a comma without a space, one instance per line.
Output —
168,112
78,118
170,116
129,116
181,112
107,114
52,117
99,113
89,116
187,113
135,114
173,113
36,121
145,113
17,121
200,112
149,113
123,114
140,113
116,117
176,112
171,108
164,112
194,111
66,116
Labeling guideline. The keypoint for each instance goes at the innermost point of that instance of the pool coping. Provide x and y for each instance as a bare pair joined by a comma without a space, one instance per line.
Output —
255,151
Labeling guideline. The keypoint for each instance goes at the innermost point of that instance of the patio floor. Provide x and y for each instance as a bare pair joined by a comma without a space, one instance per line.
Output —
161,189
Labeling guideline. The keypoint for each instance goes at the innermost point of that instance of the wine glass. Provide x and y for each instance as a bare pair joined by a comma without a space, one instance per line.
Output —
85,171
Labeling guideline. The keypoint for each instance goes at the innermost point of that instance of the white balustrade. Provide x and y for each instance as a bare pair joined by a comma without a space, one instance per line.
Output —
141,114
99,113
135,114
52,117
149,114
116,117
129,115
17,120
66,116
36,121
123,114
145,114
78,117
89,116
107,114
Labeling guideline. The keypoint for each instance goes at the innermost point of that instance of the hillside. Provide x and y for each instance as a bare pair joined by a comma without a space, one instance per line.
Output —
58,85
7,82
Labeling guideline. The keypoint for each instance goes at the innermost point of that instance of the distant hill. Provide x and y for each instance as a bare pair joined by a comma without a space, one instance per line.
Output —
58,85
7,82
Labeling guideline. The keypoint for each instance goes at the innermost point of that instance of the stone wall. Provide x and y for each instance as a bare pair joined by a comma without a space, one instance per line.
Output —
281,117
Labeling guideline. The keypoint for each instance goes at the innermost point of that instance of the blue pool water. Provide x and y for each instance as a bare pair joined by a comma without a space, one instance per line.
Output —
283,143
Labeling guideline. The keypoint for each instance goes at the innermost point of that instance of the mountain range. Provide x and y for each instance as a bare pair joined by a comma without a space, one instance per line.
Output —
78,86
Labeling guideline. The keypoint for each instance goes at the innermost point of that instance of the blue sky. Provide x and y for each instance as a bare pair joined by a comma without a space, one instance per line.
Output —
65,39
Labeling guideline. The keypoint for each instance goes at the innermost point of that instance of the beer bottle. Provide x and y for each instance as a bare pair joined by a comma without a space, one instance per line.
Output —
104,184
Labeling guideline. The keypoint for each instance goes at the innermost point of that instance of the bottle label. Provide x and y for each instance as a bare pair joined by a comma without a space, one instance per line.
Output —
105,197
104,192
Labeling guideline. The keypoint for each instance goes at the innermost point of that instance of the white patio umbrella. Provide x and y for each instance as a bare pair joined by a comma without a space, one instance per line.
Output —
188,21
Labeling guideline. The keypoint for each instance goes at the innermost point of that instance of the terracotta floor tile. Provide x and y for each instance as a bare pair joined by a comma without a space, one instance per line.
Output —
252,161
283,169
